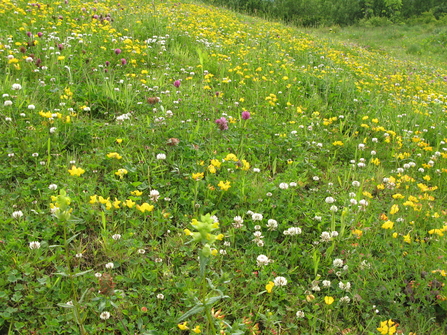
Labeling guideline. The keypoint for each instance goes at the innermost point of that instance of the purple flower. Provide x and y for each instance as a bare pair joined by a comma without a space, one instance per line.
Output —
222,123
117,51
107,63
39,34
29,34
245,115
123,61
177,83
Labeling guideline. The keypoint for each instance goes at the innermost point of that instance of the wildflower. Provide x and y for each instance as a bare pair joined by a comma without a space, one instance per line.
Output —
224,186
280,281
222,123
154,195
337,263
394,209
345,299
197,176
74,171
284,186
160,296
177,83
117,51
114,155
116,237
256,217
110,265
104,315
333,208
325,236
17,214
262,260
269,286
328,300
387,327
145,207
388,225
141,251
245,115
7,103
121,173
329,200
272,224
345,287
326,283
34,245
161,156
16,87
183,326
300,314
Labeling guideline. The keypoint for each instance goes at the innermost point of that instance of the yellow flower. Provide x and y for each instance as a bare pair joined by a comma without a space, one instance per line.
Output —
119,140
121,173
340,143
114,155
387,328
407,238
136,193
357,232
183,326
129,203
224,186
196,330
269,287
231,157
216,163
388,225
93,199
116,203
145,207
394,209
211,169
197,176
76,171
187,232
328,300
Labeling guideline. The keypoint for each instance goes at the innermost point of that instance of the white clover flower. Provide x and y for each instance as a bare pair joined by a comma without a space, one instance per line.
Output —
317,218
345,300
300,314
34,245
292,231
325,236
53,130
293,184
333,208
154,195
158,260
161,156
283,186
141,251
98,275
8,119
256,170
104,315
17,214
363,202
256,217
356,183
329,200
338,263
35,154
326,283
280,281
160,296
53,187
116,237
238,219
334,233
16,87
272,224
345,287
7,103
316,178
262,260
79,255
361,146
110,265
69,303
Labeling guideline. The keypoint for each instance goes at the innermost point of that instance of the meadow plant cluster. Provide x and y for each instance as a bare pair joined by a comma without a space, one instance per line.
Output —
174,168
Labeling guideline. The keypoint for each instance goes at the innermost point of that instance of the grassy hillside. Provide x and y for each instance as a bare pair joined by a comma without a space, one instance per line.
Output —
175,168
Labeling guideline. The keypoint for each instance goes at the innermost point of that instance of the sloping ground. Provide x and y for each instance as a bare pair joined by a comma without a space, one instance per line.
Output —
329,192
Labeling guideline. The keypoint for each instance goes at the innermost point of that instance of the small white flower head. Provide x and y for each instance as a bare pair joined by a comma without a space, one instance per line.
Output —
52,187
353,202
325,236
7,103
256,170
292,231
361,146
334,233
345,300
268,194
8,119
363,202
161,156
35,154
238,219
17,214
272,224
116,237
98,275
345,287
300,314
256,217
283,186
280,281
34,245
160,296
16,87
104,315
337,263
373,152
329,200
316,178
262,260
78,255
257,227
53,130
333,208
69,303
293,184
154,195
11,155
158,260
141,251
110,265
356,183
326,283
317,218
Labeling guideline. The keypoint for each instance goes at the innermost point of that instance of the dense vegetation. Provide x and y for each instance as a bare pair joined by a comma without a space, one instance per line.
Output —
176,168
340,12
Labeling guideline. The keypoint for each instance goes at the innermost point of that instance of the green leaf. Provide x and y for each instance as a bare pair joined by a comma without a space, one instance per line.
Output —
196,309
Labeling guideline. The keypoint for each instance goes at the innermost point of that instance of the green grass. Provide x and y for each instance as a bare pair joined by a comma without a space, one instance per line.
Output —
111,159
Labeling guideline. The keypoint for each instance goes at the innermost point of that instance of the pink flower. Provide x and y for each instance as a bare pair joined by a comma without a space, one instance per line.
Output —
117,51
123,61
245,115
222,123
39,34
177,83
